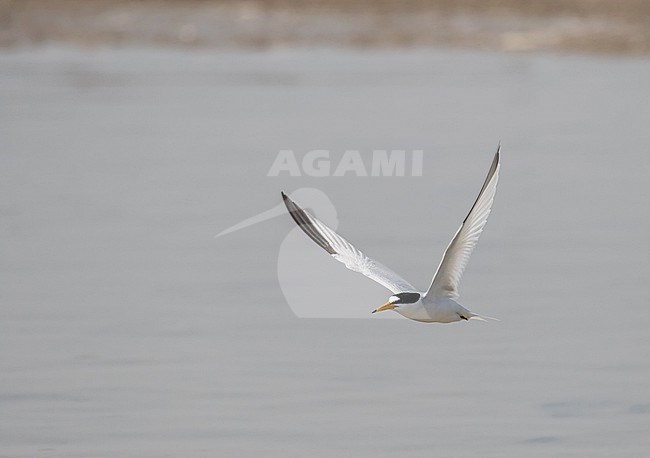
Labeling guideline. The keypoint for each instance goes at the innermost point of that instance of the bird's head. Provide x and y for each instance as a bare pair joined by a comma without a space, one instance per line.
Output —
398,300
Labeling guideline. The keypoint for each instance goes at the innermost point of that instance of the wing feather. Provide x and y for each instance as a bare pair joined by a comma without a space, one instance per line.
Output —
447,278
343,251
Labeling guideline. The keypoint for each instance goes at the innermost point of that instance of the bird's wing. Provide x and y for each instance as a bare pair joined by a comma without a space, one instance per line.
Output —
344,251
447,278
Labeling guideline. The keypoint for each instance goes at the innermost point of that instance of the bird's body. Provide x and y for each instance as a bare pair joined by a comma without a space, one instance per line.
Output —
438,304
435,310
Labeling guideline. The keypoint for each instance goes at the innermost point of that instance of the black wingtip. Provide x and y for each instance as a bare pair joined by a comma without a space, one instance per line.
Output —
306,223
284,196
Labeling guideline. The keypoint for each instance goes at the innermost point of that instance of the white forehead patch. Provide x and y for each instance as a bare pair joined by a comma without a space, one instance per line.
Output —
393,299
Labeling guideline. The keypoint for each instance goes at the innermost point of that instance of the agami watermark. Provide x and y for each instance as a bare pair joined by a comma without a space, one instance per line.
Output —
320,163
305,275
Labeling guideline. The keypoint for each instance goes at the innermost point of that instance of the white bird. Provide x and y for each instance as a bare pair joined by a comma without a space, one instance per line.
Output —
438,303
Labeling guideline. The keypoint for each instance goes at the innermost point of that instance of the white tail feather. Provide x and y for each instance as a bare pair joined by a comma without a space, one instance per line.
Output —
476,316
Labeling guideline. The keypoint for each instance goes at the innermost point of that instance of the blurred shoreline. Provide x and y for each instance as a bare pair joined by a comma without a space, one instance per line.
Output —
573,26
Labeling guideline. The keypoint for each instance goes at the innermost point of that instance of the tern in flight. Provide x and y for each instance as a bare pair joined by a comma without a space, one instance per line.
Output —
436,305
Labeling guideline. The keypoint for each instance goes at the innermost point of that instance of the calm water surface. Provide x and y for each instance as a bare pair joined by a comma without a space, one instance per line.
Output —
126,329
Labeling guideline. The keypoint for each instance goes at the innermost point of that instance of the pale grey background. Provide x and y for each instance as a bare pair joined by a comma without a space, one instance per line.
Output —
128,330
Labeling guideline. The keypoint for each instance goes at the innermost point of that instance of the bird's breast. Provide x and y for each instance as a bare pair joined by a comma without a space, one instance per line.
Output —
416,312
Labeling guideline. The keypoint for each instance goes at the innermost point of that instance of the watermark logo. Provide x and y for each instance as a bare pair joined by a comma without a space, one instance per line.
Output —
321,163
313,284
